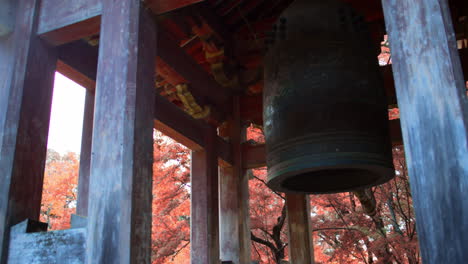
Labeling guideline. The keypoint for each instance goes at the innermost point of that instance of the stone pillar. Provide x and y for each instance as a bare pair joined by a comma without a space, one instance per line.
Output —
434,118
119,214
27,67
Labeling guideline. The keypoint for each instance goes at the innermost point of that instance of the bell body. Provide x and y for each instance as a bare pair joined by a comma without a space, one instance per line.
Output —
325,112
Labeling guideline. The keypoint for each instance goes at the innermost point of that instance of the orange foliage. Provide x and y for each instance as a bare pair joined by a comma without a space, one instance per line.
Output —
343,233
60,189
171,202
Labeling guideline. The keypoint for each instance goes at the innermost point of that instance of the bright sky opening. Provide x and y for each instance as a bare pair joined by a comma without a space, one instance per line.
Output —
66,119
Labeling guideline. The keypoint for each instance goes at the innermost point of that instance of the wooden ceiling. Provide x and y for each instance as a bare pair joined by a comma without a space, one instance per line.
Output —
226,38
216,47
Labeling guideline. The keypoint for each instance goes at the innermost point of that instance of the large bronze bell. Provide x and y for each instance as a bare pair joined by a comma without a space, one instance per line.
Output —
325,112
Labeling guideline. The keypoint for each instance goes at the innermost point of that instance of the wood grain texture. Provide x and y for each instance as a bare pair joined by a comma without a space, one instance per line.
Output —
234,212
229,215
65,21
26,89
300,246
119,214
433,111
238,135
85,155
204,219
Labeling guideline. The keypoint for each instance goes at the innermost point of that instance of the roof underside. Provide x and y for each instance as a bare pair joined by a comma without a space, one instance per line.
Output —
225,39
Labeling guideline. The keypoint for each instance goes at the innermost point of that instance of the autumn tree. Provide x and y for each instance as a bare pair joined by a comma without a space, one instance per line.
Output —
171,202
60,189
375,225
369,226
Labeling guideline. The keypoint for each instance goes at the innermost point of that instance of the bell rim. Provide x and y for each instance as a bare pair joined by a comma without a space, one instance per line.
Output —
382,170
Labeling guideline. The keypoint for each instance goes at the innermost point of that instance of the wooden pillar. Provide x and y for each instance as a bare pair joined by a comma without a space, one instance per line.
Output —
433,112
85,155
234,197
26,82
301,250
119,214
229,215
204,229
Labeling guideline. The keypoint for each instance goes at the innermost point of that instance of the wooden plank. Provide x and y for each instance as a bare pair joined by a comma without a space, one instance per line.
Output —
234,190
301,249
164,6
119,221
85,155
204,231
26,95
433,110
65,21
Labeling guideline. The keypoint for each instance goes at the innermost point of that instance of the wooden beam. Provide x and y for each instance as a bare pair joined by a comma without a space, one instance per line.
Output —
85,155
301,249
27,67
190,132
204,88
78,62
61,21
251,109
119,215
433,111
216,24
204,231
254,156
164,6
65,21
175,123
